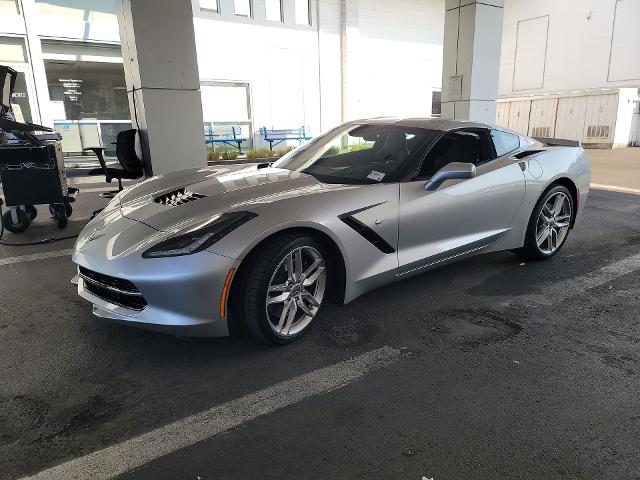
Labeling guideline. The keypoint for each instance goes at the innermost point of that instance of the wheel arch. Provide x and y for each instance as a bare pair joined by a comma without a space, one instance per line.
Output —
337,269
573,189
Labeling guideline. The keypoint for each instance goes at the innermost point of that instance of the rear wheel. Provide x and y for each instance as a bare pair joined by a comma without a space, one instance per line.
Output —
549,224
283,289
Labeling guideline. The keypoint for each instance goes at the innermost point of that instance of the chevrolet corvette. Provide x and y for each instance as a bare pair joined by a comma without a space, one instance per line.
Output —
261,248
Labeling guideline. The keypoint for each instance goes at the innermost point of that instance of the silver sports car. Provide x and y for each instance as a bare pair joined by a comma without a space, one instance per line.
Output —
206,252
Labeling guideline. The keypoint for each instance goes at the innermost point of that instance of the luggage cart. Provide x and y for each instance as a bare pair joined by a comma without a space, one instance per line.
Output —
31,166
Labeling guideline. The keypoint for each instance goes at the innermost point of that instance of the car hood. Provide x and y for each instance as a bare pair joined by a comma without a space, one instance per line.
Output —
181,199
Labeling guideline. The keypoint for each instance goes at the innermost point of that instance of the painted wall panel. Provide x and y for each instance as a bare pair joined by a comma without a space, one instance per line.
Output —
571,118
542,121
519,116
502,114
624,63
530,53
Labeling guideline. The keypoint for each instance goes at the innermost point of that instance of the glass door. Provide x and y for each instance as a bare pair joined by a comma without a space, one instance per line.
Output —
23,98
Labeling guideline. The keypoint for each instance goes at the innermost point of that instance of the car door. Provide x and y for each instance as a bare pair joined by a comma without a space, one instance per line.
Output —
460,216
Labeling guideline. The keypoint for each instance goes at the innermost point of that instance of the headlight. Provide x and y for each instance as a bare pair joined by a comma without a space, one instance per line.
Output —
199,238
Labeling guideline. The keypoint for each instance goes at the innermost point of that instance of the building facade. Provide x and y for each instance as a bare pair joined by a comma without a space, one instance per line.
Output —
568,69
571,69
272,63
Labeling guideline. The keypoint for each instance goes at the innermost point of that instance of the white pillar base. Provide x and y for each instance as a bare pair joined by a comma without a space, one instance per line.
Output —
172,135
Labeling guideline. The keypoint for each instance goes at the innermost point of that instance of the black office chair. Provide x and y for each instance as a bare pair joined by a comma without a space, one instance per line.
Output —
127,157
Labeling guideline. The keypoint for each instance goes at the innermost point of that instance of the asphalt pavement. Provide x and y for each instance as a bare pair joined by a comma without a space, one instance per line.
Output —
488,368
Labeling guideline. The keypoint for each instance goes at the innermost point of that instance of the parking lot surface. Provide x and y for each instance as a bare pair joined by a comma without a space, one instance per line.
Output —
488,368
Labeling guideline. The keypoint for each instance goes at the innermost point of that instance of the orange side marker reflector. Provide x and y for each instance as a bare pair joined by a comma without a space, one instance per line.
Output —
225,293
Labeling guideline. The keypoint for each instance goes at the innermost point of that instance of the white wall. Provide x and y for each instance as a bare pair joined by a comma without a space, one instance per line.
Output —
569,45
278,60
398,60
89,20
295,71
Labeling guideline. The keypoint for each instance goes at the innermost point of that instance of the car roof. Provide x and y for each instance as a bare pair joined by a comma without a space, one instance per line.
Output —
443,124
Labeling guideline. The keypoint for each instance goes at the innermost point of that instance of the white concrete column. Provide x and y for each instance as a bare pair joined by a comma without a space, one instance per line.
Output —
161,70
349,33
43,114
471,63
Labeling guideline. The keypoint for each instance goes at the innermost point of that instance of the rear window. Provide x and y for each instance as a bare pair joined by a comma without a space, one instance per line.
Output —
504,142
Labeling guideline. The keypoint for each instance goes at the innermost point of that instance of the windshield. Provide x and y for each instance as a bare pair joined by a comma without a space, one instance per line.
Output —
357,154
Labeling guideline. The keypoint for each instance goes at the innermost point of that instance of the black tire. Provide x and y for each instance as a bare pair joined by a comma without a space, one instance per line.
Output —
20,226
68,209
530,249
60,215
254,282
32,212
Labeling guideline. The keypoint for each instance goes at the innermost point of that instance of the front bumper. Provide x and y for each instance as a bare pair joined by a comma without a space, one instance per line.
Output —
182,294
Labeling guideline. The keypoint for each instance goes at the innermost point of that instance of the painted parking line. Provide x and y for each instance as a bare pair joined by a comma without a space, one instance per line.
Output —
118,459
615,188
35,256
79,181
556,292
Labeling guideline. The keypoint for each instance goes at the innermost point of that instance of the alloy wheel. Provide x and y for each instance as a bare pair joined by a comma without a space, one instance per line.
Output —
553,223
296,291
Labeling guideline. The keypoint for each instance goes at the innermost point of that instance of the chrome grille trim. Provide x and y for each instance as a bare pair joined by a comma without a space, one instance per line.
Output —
112,289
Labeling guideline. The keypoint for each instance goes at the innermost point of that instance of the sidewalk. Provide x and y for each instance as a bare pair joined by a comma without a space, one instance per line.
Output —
617,170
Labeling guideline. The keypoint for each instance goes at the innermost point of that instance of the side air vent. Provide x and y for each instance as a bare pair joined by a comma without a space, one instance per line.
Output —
527,153
369,235
178,197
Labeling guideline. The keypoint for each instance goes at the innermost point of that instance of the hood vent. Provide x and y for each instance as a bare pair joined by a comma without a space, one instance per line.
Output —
178,197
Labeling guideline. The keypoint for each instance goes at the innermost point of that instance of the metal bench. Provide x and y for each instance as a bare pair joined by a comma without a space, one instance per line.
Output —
229,135
276,137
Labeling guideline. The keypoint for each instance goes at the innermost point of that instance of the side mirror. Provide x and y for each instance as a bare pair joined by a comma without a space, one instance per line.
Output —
451,171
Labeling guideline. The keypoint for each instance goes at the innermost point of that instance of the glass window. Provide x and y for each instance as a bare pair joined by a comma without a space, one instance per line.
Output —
242,7
504,142
225,102
12,50
358,155
436,103
20,100
468,146
87,90
209,5
273,10
9,7
303,12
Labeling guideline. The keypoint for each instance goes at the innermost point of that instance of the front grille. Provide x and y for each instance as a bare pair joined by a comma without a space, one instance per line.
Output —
115,290
178,197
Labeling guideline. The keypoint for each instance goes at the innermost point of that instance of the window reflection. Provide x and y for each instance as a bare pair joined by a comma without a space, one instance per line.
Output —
87,90
20,99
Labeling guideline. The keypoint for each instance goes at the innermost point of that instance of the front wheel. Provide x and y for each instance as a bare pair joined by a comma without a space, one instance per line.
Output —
549,224
283,289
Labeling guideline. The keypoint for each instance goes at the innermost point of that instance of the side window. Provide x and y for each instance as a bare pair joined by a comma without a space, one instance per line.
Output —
468,146
504,142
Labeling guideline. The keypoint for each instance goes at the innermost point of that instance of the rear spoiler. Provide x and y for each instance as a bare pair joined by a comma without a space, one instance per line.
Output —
558,142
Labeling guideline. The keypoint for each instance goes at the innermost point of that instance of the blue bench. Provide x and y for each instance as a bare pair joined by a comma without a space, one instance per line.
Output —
231,135
276,137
